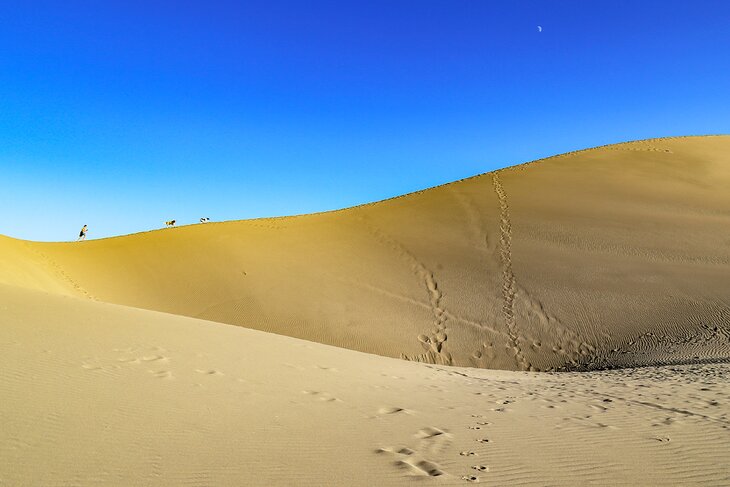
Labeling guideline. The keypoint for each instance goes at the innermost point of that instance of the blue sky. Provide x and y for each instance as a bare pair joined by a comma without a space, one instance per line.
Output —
122,115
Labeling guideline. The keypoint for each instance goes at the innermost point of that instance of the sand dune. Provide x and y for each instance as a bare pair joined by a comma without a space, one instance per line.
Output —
118,365
613,256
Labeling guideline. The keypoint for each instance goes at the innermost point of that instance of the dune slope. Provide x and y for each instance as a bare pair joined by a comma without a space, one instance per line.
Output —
99,394
613,256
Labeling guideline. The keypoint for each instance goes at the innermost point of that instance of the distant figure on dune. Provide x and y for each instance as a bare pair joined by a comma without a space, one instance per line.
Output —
170,223
82,233
204,220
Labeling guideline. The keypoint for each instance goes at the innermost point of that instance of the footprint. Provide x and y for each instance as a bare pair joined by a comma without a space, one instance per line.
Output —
483,440
208,372
470,478
322,396
416,464
481,468
429,468
467,454
155,358
430,432
393,410
130,360
322,367
162,374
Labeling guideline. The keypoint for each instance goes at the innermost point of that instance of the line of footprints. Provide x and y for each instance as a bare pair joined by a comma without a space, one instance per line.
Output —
435,440
479,468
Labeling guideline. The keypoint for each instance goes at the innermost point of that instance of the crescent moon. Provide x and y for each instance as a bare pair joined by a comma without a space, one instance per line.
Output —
539,28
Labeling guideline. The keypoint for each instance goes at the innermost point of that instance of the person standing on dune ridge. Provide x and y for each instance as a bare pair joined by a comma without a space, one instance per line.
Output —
82,233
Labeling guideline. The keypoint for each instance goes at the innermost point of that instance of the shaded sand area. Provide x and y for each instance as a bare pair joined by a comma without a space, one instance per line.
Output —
118,365
99,394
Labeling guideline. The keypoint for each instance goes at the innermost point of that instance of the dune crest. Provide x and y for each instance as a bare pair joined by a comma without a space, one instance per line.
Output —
614,256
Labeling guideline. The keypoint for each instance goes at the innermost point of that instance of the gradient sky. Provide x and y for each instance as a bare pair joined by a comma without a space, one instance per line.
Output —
122,115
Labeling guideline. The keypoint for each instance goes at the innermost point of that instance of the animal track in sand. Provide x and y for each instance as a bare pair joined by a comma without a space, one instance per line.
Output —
330,369
322,396
208,372
392,410
417,465
161,374
131,356
589,422
62,273
434,343
429,468
513,293
509,286
155,358
430,432
432,441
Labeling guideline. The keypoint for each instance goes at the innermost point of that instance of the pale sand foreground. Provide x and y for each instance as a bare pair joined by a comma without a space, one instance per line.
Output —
99,394
610,257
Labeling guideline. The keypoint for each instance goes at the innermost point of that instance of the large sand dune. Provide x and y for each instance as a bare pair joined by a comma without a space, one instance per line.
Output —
613,256
113,370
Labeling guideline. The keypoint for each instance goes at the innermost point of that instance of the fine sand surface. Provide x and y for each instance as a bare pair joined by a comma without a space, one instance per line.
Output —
99,394
118,365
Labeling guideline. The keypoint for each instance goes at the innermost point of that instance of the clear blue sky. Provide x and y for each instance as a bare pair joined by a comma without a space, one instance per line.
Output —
124,114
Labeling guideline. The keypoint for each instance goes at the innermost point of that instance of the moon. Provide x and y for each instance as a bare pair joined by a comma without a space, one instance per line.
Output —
539,28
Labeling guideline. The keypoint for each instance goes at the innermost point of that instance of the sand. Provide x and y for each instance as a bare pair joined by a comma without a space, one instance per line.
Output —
118,364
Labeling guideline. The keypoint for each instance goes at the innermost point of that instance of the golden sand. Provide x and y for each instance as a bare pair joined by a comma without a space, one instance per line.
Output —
113,372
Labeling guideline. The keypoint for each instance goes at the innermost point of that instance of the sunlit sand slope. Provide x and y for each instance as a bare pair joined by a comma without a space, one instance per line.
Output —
98,394
613,256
